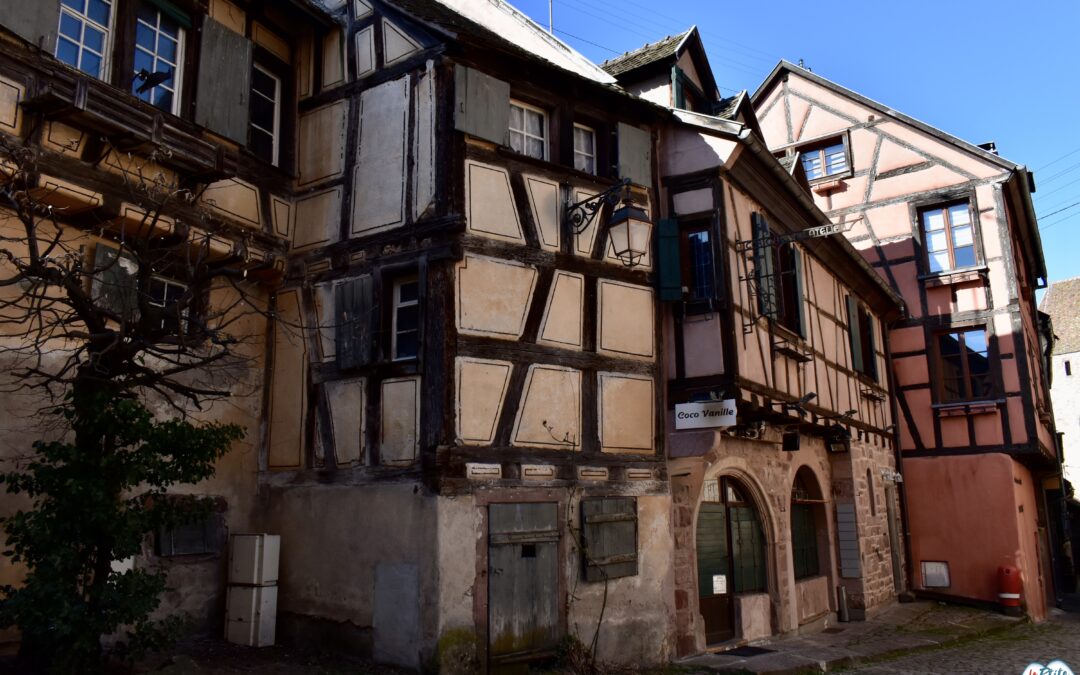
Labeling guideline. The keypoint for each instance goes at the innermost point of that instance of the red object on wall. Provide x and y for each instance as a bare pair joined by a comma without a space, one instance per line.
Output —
1009,587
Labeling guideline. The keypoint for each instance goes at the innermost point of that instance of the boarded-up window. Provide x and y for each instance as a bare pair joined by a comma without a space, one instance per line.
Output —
609,537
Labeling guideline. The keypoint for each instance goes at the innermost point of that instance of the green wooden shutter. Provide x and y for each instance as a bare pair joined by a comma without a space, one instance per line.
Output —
482,105
115,285
224,82
355,320
635,154
35,21
804,541
799,286
854,334
668,262
765,267
871,358
609,534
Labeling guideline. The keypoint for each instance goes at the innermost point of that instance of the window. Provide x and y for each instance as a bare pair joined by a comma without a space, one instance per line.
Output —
822,161
164,294
528,130
698,267
1068,369
778,274
935,574
861,338
405,332
584,149
83,40
949,236
159,53
115,288
201,537
964,366
264,126
609,538
805,503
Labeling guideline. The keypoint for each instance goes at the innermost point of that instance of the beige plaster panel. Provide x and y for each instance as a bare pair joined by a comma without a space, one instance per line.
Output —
907,280
954,432
932,178
270,41
999,285
1003,329
693,201
281,212
321,144
861,145
235,200
139,169
703,338
627,315
562,322
365,51
317,219
481,391
988,230
68,196
323,295
493,296
550,412
424,143
58,136
686,63
305,64
288,388
346,400
798,109
687,152
920,400
890,222
399,430
906,339
584,242
397,44
362,8
333,65
1010,376
895,156
229,15
957,158
847,108
490,206
460,524
850,194
545,207
626,409
379,177
774,123
822,123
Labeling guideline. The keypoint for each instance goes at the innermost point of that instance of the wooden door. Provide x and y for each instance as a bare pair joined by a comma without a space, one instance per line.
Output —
715,583
523,601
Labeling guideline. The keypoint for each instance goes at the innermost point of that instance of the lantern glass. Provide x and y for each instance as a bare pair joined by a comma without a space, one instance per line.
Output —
630,230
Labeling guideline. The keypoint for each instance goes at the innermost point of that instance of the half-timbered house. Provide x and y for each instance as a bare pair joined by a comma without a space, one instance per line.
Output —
778,419
951,227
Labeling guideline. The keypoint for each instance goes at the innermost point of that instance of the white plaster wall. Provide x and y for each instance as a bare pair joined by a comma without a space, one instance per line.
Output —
1065,396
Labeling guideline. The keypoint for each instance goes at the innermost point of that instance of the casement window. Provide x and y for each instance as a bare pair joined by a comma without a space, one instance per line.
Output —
698,267
159,55
528,130
948,236
115,289
778,275
824,160
84,38
584,148
963,360
609,538
804,534
264,122
405,316
861,339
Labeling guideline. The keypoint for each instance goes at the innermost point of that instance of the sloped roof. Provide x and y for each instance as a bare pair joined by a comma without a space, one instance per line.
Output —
647,54
729,106
1062,303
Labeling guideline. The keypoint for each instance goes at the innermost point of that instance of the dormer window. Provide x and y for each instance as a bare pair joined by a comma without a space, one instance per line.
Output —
825,159
528,130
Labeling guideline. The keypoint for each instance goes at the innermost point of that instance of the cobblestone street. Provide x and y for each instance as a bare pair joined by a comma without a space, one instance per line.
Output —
1007,652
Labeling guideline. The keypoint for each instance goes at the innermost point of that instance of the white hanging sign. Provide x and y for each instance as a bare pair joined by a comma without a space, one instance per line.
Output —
705,414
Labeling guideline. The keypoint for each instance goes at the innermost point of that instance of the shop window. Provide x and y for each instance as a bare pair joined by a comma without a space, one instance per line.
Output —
963,361
609,538
948,236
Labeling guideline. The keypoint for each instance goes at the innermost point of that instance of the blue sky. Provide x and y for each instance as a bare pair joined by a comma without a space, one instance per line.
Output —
983,70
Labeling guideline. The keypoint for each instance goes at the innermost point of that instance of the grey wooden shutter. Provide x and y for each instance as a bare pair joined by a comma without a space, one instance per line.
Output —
854,334
115,287
482,105
635,154
35,21
847,534
764,267
354,317
799,295
609,533
668,262
224,82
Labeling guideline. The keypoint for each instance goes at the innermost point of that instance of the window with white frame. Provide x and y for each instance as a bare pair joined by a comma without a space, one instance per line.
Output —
528,130
264,133
83,41
584,148
165,293
159,46
405,331
824,159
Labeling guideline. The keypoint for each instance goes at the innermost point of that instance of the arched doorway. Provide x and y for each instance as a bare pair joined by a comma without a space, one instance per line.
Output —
731,557
809,546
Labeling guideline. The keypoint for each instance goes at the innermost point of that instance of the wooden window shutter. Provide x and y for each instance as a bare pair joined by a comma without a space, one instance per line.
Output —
796,255
482,105
635,154
224,82
854,334
764,267
355,318
115,285
36,21
871,358
668,262
609,538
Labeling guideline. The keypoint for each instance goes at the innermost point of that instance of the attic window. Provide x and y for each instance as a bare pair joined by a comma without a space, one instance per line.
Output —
825,159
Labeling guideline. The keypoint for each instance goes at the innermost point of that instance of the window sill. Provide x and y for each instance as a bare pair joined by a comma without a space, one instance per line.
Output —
957,276
787,343
967,408
824,186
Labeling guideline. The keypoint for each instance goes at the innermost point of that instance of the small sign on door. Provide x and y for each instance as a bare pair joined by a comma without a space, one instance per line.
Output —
719,584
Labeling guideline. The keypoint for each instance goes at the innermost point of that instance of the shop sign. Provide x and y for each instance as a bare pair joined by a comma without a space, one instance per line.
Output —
705,414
